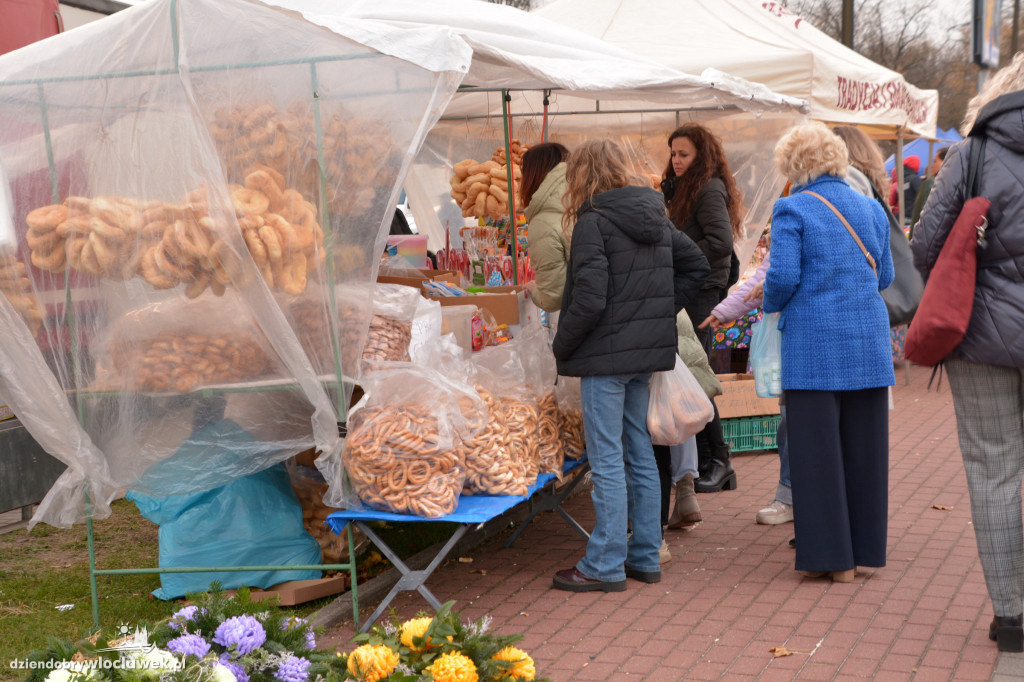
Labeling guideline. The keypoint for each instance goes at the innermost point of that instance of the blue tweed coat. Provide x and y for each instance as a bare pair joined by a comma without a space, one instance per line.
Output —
835,329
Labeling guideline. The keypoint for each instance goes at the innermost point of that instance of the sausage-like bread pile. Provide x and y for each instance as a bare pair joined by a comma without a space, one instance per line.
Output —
481,189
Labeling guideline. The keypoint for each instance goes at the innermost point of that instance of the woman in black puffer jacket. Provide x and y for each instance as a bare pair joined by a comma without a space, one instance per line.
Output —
629,273
704,202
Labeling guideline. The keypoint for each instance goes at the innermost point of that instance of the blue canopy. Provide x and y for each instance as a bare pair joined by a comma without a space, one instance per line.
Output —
919,148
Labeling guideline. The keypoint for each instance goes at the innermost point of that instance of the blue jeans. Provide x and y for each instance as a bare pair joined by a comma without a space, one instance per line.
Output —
784,493
624,474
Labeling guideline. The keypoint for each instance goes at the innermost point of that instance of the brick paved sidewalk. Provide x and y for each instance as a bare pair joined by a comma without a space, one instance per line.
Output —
730,593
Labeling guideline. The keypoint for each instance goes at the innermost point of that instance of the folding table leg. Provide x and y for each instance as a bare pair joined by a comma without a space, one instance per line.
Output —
410,579
552,501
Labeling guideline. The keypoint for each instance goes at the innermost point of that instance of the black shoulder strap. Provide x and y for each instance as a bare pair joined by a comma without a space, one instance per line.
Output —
974,166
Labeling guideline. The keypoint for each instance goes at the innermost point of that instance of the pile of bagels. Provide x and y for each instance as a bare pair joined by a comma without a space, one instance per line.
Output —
14,285
171,244
357,153
481,189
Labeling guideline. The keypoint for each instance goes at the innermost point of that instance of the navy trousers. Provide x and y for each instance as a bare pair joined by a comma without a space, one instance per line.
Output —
839,459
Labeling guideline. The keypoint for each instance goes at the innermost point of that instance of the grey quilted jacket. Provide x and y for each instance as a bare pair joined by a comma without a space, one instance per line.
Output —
995,334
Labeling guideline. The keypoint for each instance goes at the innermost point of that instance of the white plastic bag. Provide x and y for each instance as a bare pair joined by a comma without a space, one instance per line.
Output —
766,356
678,408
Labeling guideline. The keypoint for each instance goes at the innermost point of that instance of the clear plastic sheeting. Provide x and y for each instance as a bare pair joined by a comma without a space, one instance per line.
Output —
181,176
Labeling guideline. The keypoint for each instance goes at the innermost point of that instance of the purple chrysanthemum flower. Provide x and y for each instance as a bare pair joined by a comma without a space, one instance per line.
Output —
291,622
183,615
293,670
237,668
189,645
243,632
310,639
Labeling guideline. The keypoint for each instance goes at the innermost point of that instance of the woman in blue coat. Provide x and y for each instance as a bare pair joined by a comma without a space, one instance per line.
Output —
836,357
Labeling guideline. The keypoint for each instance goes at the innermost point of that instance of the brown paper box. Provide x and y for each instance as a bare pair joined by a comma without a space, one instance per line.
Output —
295,592
502,302
450,276
739,399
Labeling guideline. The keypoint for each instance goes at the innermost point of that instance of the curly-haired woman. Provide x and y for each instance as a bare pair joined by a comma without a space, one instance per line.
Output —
705,204
836,388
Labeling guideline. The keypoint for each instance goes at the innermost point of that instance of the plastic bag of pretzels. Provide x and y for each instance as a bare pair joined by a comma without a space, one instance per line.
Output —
404,449
541,373
179,345
374,324
495,464
517,401
570,417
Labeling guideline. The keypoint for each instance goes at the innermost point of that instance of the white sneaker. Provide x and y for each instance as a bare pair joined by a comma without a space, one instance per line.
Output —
664,556
775,513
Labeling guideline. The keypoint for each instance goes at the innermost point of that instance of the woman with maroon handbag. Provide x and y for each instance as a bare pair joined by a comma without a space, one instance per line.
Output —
985,369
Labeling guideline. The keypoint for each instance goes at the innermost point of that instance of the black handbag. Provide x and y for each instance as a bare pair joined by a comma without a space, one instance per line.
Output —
904,294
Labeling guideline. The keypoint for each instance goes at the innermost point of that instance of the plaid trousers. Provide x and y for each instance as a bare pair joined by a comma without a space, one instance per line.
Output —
989,407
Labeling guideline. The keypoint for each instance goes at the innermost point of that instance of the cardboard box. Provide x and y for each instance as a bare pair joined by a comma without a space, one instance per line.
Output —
295,592
450,276
739,399
502,302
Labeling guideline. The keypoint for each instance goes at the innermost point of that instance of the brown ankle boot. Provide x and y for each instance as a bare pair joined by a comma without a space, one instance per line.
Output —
686,512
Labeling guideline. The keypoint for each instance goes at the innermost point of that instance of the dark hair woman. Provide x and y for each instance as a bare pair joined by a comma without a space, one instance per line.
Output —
704,202
541,191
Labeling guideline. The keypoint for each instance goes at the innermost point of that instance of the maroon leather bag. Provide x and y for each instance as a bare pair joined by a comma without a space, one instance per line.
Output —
944,313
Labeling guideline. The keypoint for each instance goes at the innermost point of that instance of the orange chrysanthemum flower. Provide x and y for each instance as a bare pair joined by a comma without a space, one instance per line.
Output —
524,668
372,662
417,627
453,667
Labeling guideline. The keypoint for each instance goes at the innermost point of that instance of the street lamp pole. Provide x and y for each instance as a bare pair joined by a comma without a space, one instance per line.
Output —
847,27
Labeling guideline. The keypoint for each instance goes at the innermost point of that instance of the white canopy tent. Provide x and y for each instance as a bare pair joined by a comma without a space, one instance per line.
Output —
591,88
760,42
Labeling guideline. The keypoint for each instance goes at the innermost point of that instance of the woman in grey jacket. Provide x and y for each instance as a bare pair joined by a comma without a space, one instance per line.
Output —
985,370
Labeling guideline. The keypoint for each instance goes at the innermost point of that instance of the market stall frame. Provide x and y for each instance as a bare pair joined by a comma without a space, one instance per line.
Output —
338,381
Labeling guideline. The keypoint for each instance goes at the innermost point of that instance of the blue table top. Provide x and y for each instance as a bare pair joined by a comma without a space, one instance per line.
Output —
471,508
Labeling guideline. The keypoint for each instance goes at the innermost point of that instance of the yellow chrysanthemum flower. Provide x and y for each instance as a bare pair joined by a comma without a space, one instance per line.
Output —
372,662
417,627
524,668
453,667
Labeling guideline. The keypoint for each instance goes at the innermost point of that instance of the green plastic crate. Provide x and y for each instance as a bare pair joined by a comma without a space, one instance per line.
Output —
751,433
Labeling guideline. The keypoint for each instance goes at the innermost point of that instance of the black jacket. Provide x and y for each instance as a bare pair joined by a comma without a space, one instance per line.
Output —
630,271
710,226
994,335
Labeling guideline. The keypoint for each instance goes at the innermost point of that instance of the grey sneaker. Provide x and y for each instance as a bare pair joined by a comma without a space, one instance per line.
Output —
664,556
775,513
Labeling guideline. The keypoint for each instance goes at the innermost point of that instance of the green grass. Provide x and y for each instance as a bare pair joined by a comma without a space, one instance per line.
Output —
49,567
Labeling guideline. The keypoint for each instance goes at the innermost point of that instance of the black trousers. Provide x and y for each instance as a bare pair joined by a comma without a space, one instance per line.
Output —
663,458
839,460
699,308
709,440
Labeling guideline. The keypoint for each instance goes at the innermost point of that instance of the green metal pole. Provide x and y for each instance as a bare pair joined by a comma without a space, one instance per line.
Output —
505,98
93,590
